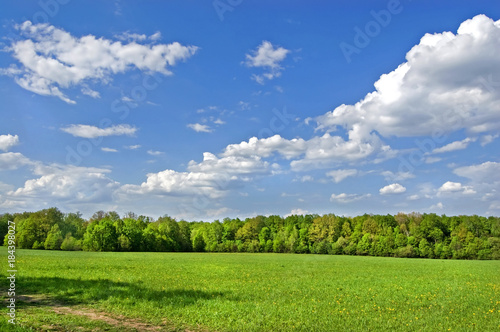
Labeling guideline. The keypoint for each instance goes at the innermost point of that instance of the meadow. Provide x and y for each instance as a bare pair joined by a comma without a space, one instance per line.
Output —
110,291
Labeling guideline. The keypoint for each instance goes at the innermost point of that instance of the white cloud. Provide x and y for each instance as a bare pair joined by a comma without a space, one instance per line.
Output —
341,174
8,141
453,187
200,127
133,147
89,92
487,172
127,36
4,187
109,150
155,36
298,212
63,185
432,160
446,85
438,206
326,151
136,37
154,153
127,99
306,178
413,197
450,187
52,59
399,176
487,139
265,147
87,131
268,57
211,178
394,188
13,160
318,152
348,198
453,146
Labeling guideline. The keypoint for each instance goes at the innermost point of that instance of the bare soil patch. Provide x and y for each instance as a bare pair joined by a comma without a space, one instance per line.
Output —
119,321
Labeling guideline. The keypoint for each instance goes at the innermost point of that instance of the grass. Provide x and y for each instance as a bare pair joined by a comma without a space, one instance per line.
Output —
66,291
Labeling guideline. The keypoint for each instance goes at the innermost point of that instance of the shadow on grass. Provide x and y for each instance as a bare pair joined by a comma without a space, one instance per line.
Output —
65,291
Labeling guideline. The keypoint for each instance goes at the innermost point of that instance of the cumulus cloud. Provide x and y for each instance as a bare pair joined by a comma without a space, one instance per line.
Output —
268,57
445,85
340,174
51,59
87,131
211,178
487,172
12,160
109,150
8,141
453,187
453,146
200,128
348,198
298,212
317,152
394,188
64,185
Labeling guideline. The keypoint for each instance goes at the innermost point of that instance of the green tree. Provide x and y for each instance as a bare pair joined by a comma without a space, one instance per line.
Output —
364,246
101,236
70,243
425,249
198,241
264,235
54,238
4,227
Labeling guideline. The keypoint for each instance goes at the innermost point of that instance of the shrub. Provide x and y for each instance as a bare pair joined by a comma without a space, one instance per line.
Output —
71,244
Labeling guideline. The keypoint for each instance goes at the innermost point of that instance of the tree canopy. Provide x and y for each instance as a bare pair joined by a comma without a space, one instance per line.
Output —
401,235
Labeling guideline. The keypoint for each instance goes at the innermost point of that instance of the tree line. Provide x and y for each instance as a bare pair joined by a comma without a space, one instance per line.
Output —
401,235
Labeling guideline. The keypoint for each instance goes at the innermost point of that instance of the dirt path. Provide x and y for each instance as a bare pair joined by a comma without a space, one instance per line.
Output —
121,322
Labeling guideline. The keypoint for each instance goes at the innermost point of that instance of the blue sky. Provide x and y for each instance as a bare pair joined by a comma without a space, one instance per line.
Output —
202,110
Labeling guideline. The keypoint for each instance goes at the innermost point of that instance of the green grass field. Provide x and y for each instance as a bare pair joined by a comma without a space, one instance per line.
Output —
75,291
